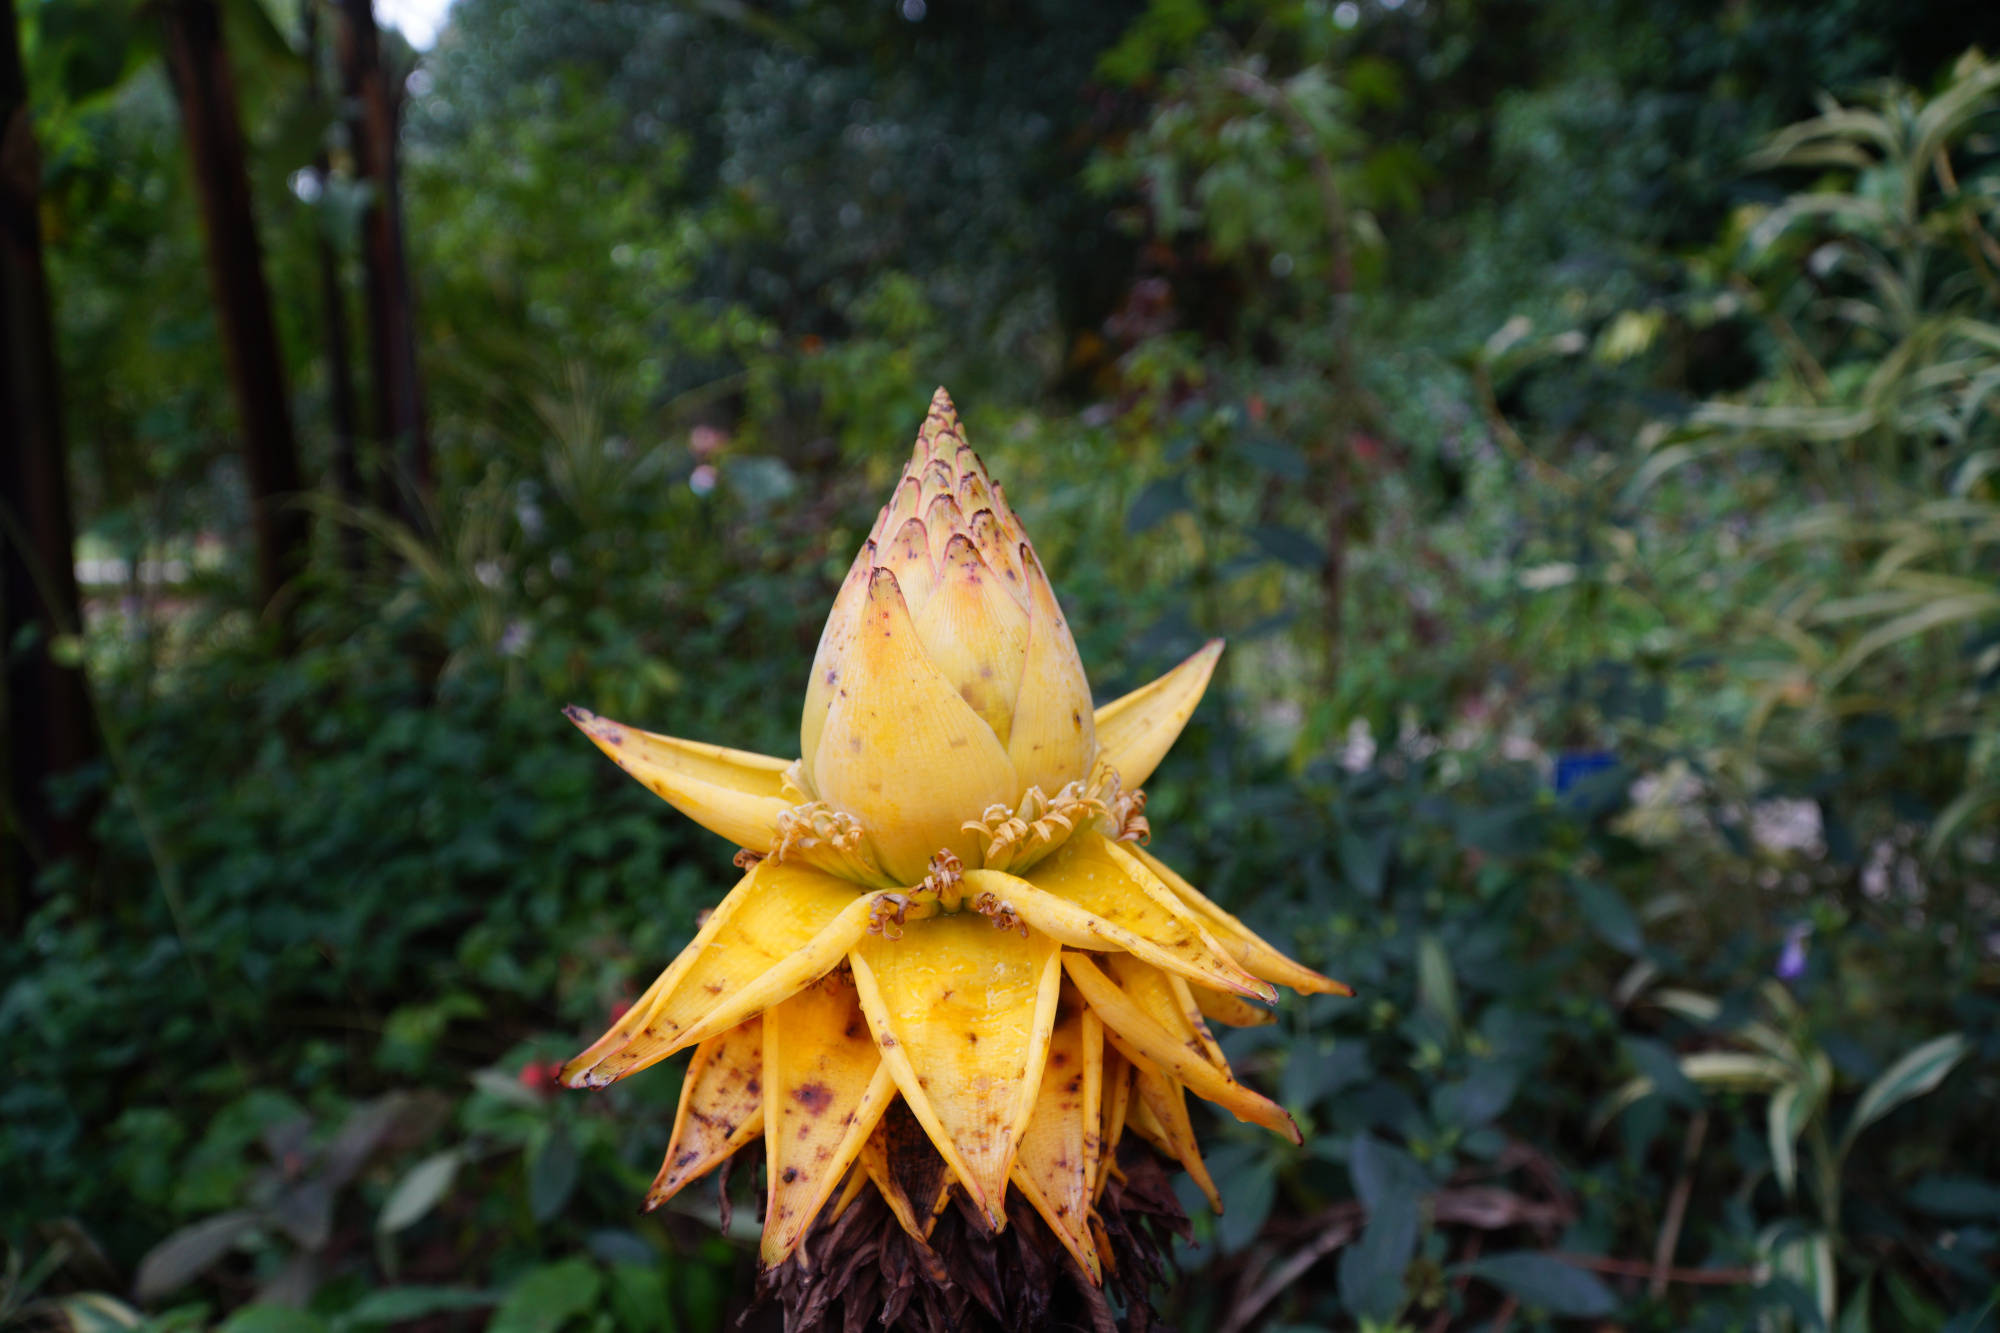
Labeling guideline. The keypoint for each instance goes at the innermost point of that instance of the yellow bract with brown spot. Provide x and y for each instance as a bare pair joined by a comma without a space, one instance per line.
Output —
950,965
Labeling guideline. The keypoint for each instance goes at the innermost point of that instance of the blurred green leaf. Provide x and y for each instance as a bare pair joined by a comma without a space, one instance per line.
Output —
552,1173
1278,457
188,1253
95,1312
1254,1190
396,1305
1545,1282
1919,1071
1608,915
1371,1268
1437,991
639,1298
1288,546
1159,501
1958,1197
1478,1099
272,1319
419,1191
548,1296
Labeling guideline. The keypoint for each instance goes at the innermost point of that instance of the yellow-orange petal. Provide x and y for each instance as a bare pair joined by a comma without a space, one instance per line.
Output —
962,1013
1230,1010
1116,1097
805,964
1159,1115
1148,1045
633,1021
1243,944
905,503
824,1090
1167,1001
1120,904
830,659
902,751
1135,732
779,928
730,792
1054,738
1057,1162
1001,550
907,555
721,1108
976,635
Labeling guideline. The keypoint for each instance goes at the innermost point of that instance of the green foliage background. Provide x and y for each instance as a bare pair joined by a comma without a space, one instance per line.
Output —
1644,783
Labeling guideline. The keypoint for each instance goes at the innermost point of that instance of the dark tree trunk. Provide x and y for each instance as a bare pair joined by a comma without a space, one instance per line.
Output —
347,481
48,725
405,478
206,87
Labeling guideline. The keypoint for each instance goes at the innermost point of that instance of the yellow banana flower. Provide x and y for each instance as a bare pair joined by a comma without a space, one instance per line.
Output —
950,964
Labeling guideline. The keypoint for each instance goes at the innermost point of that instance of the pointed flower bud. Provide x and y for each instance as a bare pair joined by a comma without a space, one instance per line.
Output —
947,694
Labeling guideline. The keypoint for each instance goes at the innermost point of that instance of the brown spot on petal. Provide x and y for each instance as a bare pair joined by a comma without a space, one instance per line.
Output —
815,1097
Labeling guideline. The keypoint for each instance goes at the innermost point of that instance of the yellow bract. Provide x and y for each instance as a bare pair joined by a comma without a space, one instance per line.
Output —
962,1015
722,1108
731,792
824,1089
904,753
1057,1161
950,966
1137,730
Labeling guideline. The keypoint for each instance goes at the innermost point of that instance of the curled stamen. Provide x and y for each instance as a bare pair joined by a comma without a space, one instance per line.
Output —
1128,814
1002,913
947,873
830,838
1017,838
889,912
815,824
745,858
886,915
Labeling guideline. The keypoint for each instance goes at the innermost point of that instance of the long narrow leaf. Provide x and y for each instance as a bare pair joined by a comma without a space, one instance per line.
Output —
1918,1072
1936,615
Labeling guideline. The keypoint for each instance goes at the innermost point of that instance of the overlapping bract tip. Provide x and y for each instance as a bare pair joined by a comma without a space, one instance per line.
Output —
950,967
